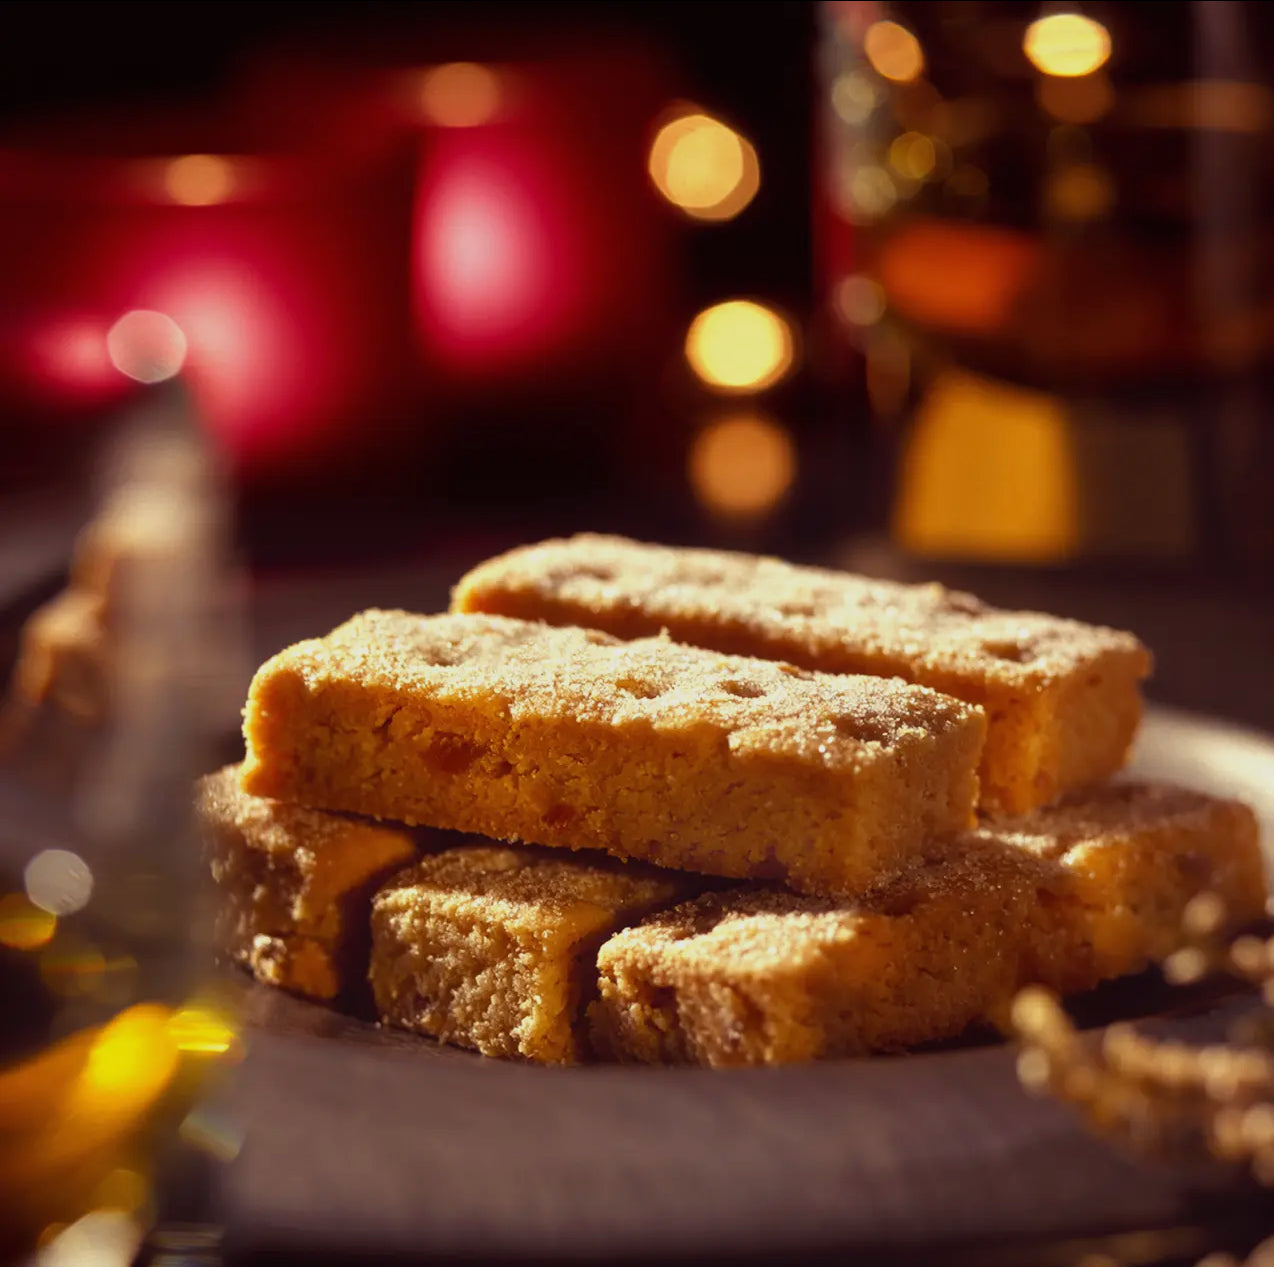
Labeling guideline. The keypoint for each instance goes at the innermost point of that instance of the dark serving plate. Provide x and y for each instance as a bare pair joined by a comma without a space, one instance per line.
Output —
363,1144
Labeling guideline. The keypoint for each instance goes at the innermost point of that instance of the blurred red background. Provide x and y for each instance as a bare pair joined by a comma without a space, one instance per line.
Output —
428,258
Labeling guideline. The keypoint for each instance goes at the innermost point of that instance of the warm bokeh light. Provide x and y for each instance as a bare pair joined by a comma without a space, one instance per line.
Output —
859,300
704,167
739,346
58,881
202,1029
893,52
78,1123
1079,192
23,924
913,155
1066,44
868,194
146,345
963,278
265,361
989,473
460,95
853,99
1082,99
131,1060
496,274
742,466
68,355
199,180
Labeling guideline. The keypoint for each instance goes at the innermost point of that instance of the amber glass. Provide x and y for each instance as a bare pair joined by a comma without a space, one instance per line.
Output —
115,705
1056,263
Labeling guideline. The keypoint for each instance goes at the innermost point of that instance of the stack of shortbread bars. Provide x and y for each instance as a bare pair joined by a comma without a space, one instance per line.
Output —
724,809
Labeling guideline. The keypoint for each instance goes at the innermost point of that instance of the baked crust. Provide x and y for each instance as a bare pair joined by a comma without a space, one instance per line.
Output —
1062,698
651,750
495,947
294,885
1067,897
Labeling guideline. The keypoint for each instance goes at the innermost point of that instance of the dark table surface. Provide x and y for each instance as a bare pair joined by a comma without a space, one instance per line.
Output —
362,1144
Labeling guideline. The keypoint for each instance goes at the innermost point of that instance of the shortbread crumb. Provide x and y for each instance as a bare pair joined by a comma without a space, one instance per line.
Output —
495,947
294,885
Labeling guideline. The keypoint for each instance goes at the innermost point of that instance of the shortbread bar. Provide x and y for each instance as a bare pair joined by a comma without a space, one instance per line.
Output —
495,947
1125,859
294,885
650,750
1062,698
1067,896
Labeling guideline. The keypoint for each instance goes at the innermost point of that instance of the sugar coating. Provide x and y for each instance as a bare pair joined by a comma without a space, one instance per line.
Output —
651,750
769,977
494,948
1121,862
293,884
1068,896
1062,697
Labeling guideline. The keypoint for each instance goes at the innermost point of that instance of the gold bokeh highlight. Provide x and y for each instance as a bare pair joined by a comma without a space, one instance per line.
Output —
131,1061
894,53
1079,100
740,346
871,194
1067,45
1079,192
460,95
989,472
853,99
913,155
742,467
202,1030
704,167
23,924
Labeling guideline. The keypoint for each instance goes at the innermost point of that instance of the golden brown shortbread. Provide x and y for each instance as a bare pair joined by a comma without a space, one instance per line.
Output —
650,750
1062,698
1067,896
293,885
494,947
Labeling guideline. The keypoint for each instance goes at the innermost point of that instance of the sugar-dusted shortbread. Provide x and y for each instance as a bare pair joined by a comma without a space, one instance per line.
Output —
294,885
1062,698
651,750
1067,897
1125,860
494,947
767,977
